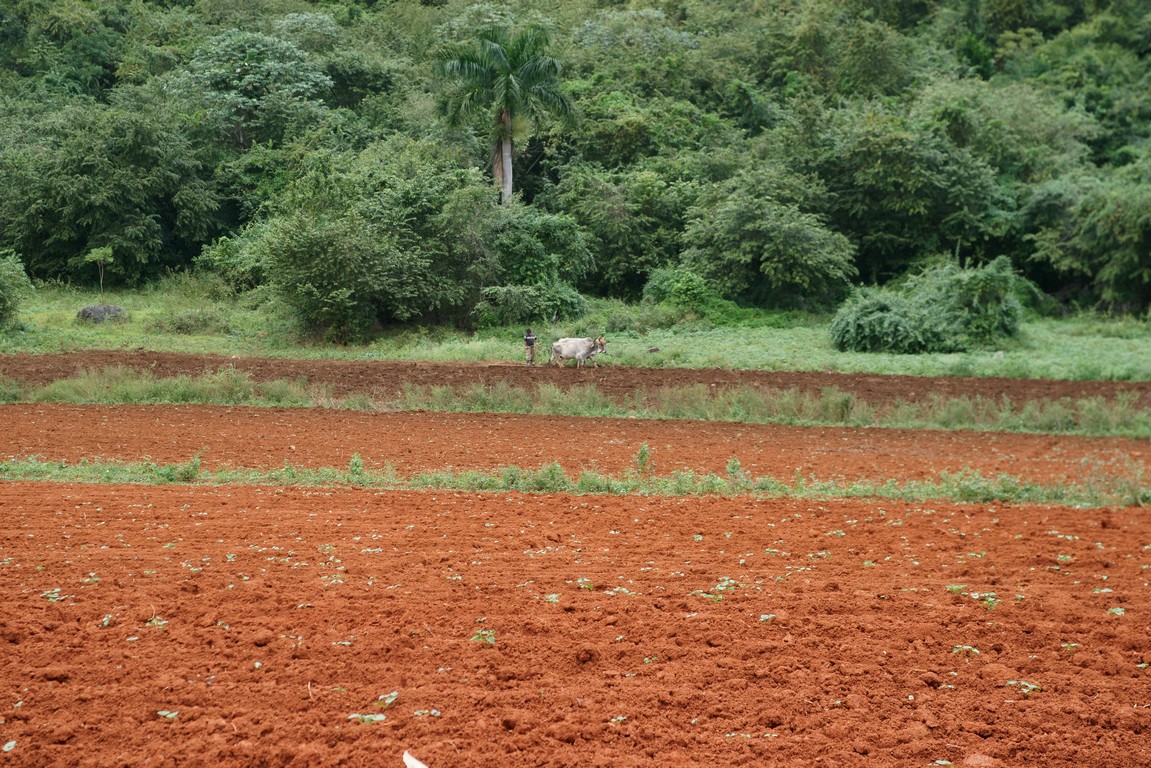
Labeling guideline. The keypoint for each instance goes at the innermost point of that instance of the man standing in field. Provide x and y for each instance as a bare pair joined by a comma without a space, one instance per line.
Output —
530,346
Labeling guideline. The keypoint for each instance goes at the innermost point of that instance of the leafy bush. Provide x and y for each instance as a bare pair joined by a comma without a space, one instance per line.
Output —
510,304
679,287
14,285
943,309
240,267
687,291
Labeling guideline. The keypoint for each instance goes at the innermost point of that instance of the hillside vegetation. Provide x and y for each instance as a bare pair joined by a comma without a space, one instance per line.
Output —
370,164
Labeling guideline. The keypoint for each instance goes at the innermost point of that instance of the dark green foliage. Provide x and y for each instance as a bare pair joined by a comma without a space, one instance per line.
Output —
240,268
1099,229
124,176
901,192
943,309
778,150
14,286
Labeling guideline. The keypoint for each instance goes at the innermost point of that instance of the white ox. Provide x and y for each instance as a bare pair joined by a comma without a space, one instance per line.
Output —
580,350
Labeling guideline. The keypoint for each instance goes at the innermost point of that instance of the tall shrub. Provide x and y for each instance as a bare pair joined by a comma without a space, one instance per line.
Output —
14,285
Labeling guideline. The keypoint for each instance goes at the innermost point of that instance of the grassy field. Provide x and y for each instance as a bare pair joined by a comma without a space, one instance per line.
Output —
188,314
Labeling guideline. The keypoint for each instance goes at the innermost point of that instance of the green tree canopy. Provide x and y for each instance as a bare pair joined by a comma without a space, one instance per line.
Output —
260,86
752,239
507,77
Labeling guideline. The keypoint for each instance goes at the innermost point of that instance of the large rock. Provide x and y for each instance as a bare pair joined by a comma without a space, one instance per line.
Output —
98,313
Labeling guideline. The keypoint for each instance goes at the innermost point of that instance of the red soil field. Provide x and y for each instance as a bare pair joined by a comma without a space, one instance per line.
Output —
268,623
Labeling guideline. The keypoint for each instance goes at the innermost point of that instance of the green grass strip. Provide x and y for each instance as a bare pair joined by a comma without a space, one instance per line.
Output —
1097,417
965,486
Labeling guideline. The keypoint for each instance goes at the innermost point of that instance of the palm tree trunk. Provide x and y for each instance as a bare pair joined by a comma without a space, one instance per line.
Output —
504,176
506,161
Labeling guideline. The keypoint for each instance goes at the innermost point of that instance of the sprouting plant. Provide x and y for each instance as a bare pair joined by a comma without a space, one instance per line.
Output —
643,461
167,715
1117,611
54,595
585,583
969,650
1025,687
737,477
956,589
386,699
356,465
484,637
726,583
157,622
371,718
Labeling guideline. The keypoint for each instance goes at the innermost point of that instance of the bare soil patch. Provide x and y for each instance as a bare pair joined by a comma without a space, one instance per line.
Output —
230,625
625,631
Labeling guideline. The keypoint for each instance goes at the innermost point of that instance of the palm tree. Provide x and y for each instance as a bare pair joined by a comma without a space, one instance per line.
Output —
509,77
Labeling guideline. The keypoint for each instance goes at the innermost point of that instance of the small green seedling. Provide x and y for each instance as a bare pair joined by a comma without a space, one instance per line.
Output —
484,637
167,715
1024,687
969,650
386,699
362,718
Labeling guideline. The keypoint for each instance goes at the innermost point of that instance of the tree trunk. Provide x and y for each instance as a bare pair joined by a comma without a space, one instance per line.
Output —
504,162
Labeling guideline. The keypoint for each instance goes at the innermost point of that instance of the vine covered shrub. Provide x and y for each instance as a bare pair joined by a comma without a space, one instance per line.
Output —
879,320
943,309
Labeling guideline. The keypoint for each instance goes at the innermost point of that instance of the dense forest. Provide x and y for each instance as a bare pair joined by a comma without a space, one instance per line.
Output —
441,161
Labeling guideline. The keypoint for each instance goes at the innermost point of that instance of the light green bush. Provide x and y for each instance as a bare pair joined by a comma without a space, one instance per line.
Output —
943,309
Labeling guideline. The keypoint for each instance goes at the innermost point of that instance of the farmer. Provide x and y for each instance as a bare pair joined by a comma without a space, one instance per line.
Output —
530,346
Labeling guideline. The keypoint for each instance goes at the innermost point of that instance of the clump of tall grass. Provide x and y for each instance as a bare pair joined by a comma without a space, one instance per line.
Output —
121,385
1109,488
188,322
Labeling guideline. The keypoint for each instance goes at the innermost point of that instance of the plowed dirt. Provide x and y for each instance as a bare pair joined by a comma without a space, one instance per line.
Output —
386,379
193,625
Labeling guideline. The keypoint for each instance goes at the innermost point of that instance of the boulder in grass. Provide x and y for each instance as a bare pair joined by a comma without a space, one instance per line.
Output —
98,313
